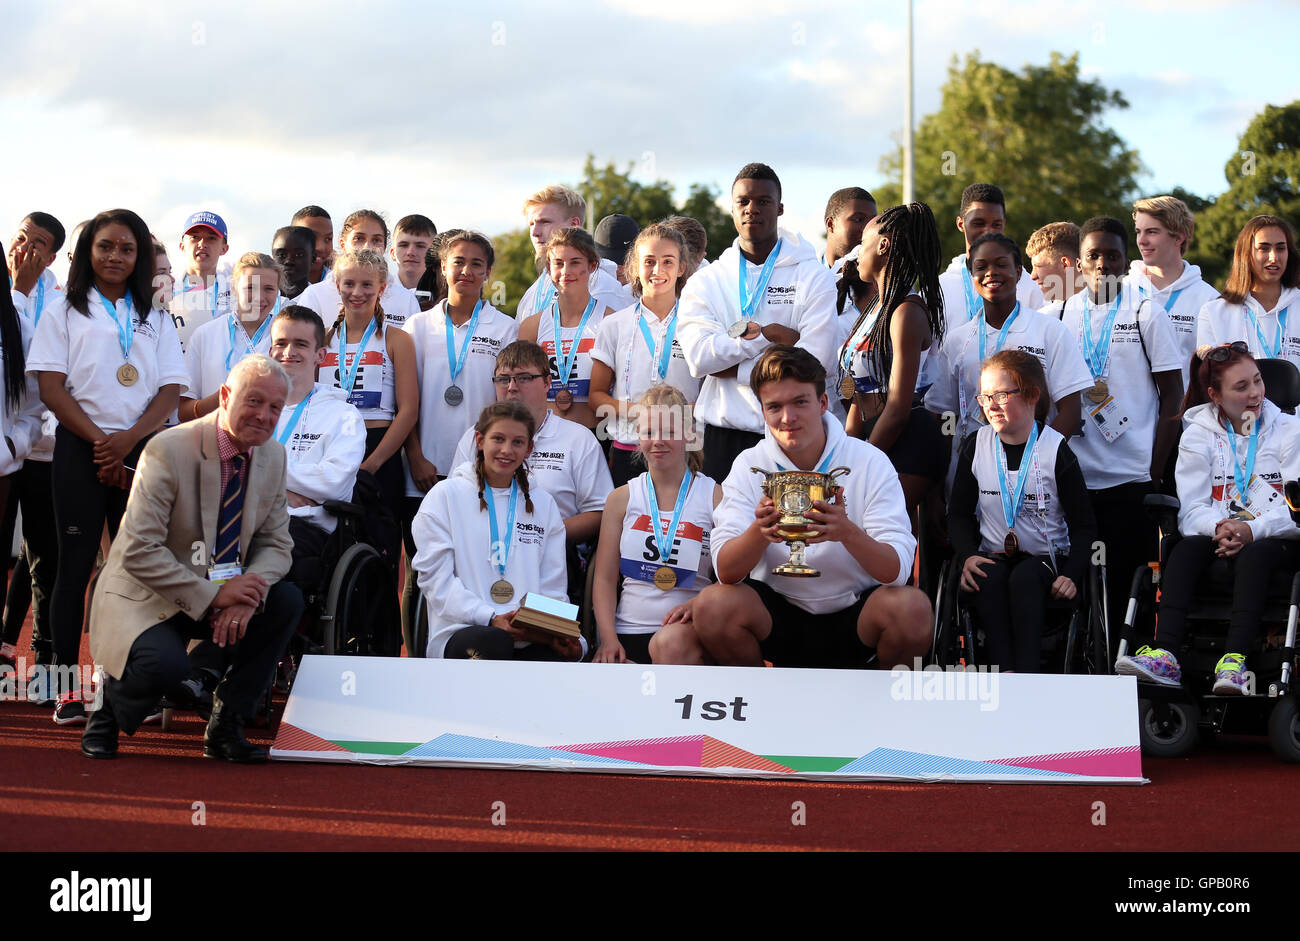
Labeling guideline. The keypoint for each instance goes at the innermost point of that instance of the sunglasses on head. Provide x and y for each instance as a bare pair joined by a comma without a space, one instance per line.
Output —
1221,354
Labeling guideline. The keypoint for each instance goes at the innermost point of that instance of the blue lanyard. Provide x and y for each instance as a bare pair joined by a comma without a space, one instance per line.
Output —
456,361
40,301
348,377
973,302
125,334
665,540
250,346
1002,334
497,553
666,354
1097,354
293,419
215,284
565,363
1274,350
1011,502
1173,300
542,298
821,468
855,342
749,304
1242,476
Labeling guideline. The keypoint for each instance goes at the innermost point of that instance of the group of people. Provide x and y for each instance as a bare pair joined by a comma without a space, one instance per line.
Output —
609,428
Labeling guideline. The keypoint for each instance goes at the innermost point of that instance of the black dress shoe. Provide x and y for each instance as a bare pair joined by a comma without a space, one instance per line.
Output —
99,739
224,738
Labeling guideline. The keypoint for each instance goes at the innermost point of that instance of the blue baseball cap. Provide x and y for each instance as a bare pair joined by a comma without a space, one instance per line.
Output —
208,220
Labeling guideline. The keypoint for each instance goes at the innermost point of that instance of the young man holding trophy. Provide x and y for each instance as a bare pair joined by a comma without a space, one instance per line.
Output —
822,532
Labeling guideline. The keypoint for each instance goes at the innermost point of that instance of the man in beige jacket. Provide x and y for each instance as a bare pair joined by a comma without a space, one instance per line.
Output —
176,571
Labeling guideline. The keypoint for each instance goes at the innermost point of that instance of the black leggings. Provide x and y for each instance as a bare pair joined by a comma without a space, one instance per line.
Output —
392,483
492,643
33,577
82,505
1252,569
1011,605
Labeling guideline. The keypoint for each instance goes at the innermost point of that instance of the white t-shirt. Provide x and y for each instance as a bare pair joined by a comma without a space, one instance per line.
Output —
1040,525
1220,322
961,301
30,309
323,452
1142,343
87,350
399,302
566,462
621,346
1182,301
800,294
454,559
195,304
210,354
441,425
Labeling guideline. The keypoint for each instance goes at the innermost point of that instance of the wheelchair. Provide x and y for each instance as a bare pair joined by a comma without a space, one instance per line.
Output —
1173,719
1075,632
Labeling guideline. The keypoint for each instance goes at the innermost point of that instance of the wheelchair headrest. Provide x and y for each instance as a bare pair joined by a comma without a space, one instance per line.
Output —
1281,382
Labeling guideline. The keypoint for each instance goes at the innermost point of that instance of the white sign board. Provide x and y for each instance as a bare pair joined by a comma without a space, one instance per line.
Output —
849,725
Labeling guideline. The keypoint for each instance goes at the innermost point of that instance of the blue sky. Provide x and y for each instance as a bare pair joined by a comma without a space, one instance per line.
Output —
459,111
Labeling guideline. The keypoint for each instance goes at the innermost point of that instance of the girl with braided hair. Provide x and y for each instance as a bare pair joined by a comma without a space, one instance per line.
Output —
882,360
484,541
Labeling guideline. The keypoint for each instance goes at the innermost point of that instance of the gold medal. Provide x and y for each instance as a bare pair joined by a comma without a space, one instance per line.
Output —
1099,391
501,591
847,388
127,374
1011,545
665,578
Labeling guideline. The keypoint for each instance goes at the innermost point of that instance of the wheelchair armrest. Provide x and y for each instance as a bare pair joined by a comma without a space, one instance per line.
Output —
343,508
1162,509
1291,490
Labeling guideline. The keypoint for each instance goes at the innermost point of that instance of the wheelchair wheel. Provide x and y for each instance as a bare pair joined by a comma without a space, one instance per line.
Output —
418,644
1094,648
1167,729
362,616
943,637
1284,730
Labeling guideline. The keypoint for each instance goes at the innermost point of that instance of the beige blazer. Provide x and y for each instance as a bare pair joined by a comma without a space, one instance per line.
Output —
158,563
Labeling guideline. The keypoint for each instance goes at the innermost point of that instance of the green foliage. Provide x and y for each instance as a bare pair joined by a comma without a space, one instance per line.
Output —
1037,134
1263,178
610,190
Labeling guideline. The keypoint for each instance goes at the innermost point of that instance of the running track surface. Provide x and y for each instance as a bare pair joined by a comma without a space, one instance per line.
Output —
1229,795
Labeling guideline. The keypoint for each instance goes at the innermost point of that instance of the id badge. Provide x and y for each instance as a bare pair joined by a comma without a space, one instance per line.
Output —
220,574
1109,419
1261,496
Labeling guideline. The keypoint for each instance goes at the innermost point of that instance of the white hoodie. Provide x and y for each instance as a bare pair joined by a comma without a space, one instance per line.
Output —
1207,488
1221,322
800,295
452,562
324,453
873,500
1184,309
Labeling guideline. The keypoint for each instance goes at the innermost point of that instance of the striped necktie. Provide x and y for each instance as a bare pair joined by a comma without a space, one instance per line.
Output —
228,520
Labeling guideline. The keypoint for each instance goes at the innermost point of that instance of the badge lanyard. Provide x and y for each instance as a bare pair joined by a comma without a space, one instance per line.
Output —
821,468
456,361
1242,476
1002,334
665,540
500,556
1098,354
542,299
293,420
1273,350
659,359
125,334
348,376
250,346
973,302
748,305
1011,502
40,302
565,363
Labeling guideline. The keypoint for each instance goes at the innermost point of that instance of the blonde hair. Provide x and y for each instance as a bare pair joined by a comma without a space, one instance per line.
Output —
632,264
569,200
250,260
1172,213
360,258
1060,238
666,398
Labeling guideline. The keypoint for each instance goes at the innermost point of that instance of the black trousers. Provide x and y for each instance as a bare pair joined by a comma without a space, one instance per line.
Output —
33,578
82,505
721,447
1011,605
1130,538
158,661
492,643
1252,569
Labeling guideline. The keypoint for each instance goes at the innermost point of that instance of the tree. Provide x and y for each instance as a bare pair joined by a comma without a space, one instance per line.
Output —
1263,178
609,190
1037,134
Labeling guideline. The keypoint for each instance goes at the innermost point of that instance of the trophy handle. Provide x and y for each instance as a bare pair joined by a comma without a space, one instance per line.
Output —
763,485
839,472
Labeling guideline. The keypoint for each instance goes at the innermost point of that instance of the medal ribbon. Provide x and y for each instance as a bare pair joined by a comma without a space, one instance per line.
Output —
749,304
1242,476
348,377
293,420
973,302
665,355
125,334
855,341
1011,502
1273,350
503,555
1002,334
562,362
40,301
542,298
456,361
1097,354
664,541
821,468
250,346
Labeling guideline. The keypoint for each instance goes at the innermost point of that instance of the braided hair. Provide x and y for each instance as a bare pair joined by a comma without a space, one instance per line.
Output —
11,340
503,411
913,260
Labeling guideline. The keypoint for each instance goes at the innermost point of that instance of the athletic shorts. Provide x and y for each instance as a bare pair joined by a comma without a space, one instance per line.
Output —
800,639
